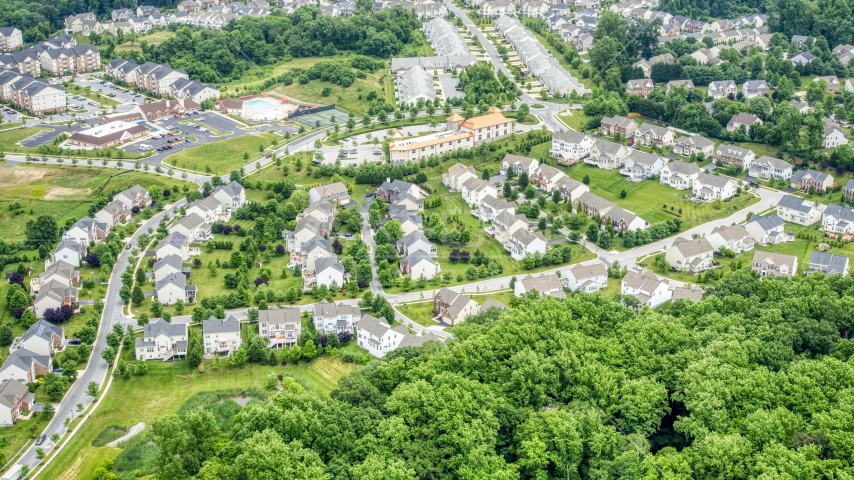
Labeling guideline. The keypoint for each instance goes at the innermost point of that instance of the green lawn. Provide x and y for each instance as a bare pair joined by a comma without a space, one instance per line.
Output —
163,390
303,178
760,149
576,120
221,156
420,313
9,140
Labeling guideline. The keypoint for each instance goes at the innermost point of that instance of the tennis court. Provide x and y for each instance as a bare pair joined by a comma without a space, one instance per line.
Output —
326,118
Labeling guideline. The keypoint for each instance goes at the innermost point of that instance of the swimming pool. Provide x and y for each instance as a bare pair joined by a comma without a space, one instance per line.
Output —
260,105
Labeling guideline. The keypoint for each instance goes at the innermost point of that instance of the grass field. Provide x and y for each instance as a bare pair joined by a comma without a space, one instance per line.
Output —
222,156
62,192
576,120
163,390
303,179
9,140
154,38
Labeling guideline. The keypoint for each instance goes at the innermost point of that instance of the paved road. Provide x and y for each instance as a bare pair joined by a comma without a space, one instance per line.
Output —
97,369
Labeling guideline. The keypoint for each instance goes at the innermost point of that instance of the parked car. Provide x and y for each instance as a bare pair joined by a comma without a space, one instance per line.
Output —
169,147
74,341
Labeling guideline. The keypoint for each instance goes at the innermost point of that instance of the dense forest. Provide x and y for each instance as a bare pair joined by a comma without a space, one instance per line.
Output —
222,55
754,381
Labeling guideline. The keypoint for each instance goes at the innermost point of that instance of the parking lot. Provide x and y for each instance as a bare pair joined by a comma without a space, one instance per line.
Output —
45,137
364,148
108,89
448,86
216,122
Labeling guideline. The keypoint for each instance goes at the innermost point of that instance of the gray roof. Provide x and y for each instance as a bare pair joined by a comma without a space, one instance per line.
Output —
43,329
161,327
766,223
842,212
11,390
683,168
694,294
644,282
714,180
279,315
323,263
375,326
796,203
644,158
413,237
569,136
773,162
233,189
755,84
497,203
849,185
176,278
607,146
88,224
744,119
588,271
173,261
595,201
59,267
327,309
176,239
315,242
492,303
215,325
526,238
689,248
410,340
546,284
71,245
191,221
832,263
772,258
819,177
398,185
416,257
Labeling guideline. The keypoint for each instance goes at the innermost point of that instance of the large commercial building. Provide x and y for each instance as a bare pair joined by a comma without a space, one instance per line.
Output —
107,135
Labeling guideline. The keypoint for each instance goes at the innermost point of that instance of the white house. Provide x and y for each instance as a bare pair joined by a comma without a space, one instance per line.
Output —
679,175
711,187
167,266
210,209
69,251
24,365
734,237
547,178
833,137
828,264
193,227
15,398
457,175
519,165
570,147
334,192
162,341
87,230
608,155
745,120
522,242
767,230
642,165
310,251
646,287
43,338
797,210
693,256
419,263
173,244
586,278
546,284
414,242
173,287
232,195
282,327
328,271
649,134
838,219
135,196
54,295
113,213
491,207
335,317
221,336
769,167
570,189
474,190
768,264
505,224
61,272
722,89
378,338
694,144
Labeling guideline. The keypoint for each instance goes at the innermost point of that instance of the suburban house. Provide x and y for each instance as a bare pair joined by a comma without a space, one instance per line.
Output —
695,294
419,263
679,175
391,188
231,196
547,178
490,207
335,318
474,190
734,237
694,144
519,165
802,58
221,336
754,88
414,242
545,284
693,256
642,87
523,242
607,155
457,175
624,126
378,338
408,222
798,210
623,220
310,251
87,231
711,187
451,307
769,167
832,82
649,134
767,230
15,398
804,179
173,287
768,264
43,338
731,155
570,147
10,39
722,89
193,227
586,278
411,204
746,120
327,271
280,326
113,214
642,165
167,266
593,205
506,224
306,229
838,219
24,365
848,191
60,271
162,340
571,190
210,209
334,192
673,84
68,251
174,243
828,263
833,137
646,287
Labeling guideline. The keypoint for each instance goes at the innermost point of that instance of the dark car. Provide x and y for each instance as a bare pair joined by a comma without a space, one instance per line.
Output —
74,341
169,147
128,247
41,439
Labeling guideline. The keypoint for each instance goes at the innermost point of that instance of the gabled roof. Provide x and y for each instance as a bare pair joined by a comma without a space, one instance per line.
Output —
61,268
173,261
718,181
327,309
70,245
161,327
177,278
694,294
644,158
772,162
215,325
832,263
416,257
324,263
375,326
581,272
766,223
569,136
279,316
316,242
11,391
23,359
689,248
771,258
546,284
175,239
683,168
492,303
44,330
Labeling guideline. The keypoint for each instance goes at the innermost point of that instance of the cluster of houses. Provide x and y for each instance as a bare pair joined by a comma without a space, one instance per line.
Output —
172,251
459,133
56,56
161,80
309,245
537,58
30,357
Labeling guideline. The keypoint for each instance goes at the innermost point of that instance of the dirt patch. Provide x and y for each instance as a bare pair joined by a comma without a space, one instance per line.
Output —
58,193
73,471
22,174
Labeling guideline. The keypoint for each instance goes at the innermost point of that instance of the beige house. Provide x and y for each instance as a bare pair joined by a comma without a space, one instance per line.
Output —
451,307
768,264
280,326
221,337
693,256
